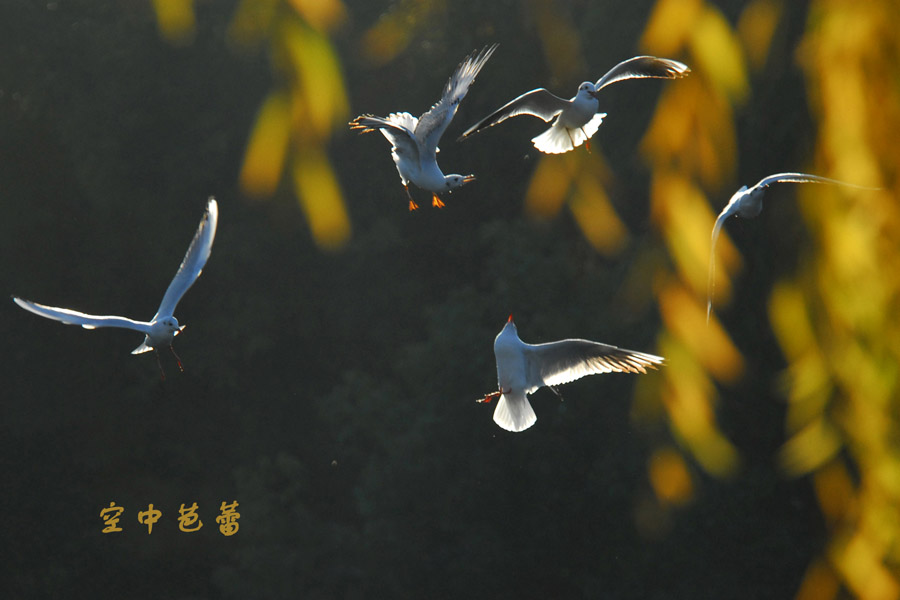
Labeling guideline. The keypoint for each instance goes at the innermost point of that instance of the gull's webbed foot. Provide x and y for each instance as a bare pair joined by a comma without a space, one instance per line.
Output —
489,397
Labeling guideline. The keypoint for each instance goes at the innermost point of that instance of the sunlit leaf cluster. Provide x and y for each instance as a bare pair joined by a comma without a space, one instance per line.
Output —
837,320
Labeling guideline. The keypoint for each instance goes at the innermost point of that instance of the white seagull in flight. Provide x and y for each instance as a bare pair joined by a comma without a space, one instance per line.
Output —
163,327
747,203
577,119
523,368
414,142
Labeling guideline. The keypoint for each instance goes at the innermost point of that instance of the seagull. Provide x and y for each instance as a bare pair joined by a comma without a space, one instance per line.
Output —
577,119
747,203
163,327
414,142
523,368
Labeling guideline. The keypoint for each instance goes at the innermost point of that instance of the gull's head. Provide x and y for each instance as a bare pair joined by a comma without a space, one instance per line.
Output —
170,324
508,336
587,89
451,182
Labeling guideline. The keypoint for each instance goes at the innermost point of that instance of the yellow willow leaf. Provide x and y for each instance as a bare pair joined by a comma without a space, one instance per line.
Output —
756,27
819,583
670,25
686,319
683,214
252,20
319,75
395,30
791,321
266,150
386,39
549,187
810,390
596,216
718,54
715,453
175,19
320,197
323,15
670,477
810,448
834,491
887,473
863,570
686,397
670,128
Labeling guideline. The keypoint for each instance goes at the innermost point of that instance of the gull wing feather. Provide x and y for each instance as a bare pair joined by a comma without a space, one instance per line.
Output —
193,262
560,362
538,103
804,178
730,209
434,122
641,67
73,317
394,128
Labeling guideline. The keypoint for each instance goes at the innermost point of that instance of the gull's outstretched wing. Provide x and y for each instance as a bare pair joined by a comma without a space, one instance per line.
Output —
804,178
433,123
395,129
73,317
554,363
193,262
641,67
730,209
538,103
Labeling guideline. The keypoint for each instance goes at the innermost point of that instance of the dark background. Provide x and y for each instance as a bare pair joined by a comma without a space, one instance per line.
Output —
332,393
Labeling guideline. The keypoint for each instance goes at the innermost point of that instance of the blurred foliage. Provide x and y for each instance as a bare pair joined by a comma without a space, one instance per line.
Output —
837,319
296,120
691,145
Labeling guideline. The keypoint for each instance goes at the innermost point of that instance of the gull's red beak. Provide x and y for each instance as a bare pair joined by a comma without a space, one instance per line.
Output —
468,179
510,319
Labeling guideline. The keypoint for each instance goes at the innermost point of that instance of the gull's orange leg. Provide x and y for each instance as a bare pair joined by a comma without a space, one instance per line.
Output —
436,202
412,203
177,358
162,373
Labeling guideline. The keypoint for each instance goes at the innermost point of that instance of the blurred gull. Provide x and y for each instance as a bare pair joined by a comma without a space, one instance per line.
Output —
163,327
577,119
523,368
747,203
414,142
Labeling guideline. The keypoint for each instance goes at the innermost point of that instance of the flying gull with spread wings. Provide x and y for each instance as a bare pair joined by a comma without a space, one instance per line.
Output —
414,142
577,119
747,203
523,368
159,331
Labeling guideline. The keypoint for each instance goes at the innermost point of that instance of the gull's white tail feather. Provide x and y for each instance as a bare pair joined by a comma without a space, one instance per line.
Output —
559,139
514,413
591,127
